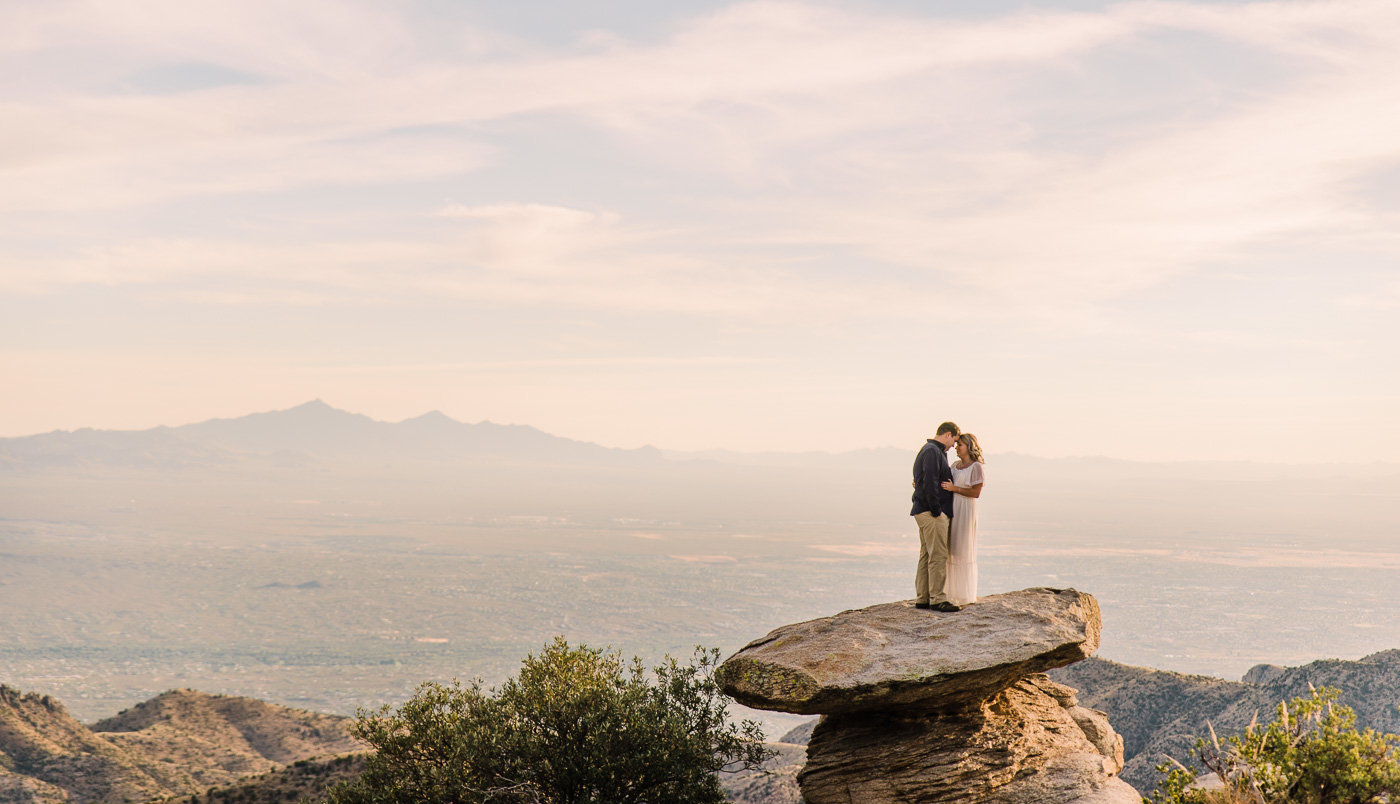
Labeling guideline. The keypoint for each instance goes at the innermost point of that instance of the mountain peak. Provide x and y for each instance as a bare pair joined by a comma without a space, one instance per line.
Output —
316,409
431,417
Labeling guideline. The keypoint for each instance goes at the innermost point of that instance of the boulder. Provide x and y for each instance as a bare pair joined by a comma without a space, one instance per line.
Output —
894,655
1263,673
922,706
1022,746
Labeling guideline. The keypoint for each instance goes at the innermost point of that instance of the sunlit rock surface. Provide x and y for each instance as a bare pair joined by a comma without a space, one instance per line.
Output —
895,655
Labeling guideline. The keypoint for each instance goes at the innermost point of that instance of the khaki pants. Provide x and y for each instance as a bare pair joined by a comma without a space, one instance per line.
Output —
933,558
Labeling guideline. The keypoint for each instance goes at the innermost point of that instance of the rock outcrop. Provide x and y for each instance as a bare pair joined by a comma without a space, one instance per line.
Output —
1263,673
921,706
1160,713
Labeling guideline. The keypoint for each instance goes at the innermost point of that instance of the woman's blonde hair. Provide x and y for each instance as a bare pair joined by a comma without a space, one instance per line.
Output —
974,450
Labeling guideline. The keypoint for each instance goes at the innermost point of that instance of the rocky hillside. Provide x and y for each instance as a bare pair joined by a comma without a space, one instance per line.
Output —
306,780
180,743
1160,713
218,739
774,783
47,755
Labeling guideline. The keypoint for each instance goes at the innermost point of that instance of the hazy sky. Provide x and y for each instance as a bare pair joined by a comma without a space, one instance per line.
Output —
1151,230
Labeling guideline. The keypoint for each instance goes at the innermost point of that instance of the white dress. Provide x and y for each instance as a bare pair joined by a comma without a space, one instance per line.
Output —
961,586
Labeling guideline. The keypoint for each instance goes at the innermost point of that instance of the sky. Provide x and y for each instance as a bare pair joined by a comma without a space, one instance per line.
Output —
1145,230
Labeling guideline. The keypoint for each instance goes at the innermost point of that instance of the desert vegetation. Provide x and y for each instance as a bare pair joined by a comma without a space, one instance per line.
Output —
575,725
1312,753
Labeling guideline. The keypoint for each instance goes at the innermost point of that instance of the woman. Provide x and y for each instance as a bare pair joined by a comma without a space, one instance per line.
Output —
966,485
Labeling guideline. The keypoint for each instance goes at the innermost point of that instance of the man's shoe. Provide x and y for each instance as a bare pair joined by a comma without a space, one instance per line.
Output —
922,606
946,607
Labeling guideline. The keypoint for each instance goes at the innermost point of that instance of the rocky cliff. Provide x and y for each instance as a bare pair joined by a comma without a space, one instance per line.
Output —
922,706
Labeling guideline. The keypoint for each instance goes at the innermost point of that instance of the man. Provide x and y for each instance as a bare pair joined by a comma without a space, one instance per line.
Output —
933,511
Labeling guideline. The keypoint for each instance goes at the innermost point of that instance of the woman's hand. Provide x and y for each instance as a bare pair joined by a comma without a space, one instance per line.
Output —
948,486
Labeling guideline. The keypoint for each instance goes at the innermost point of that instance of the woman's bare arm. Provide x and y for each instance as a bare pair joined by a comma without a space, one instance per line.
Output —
966,491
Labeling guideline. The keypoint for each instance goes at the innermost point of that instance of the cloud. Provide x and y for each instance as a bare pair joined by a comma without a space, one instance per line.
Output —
232,165
567,363
986,157
528,255
537,239
1018,219
316,94
1383,298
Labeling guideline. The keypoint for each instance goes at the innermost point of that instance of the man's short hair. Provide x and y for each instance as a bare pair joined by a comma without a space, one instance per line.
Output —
948,427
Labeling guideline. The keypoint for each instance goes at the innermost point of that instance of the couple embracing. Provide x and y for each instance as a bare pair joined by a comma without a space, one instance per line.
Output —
945,509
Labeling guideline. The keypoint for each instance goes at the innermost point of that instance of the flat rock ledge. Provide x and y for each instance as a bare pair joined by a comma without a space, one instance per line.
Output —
896,656
920,706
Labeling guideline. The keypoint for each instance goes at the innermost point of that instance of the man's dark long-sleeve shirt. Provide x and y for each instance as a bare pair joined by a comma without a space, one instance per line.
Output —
930,470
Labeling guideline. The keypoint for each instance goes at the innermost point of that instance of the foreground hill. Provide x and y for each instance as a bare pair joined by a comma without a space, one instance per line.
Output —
1160,713
188,746
180,743
46,755
218,739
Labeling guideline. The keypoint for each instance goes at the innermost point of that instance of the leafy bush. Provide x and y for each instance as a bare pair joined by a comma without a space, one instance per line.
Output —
1311,754
576,726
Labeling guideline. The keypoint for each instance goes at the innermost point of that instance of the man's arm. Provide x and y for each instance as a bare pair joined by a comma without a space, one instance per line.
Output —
923,463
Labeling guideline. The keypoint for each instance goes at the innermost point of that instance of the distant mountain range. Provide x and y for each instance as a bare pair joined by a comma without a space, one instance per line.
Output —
316,430
432,467
311,431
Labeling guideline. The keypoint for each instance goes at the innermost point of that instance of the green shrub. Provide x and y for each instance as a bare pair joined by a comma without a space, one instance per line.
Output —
1311,754
575,726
